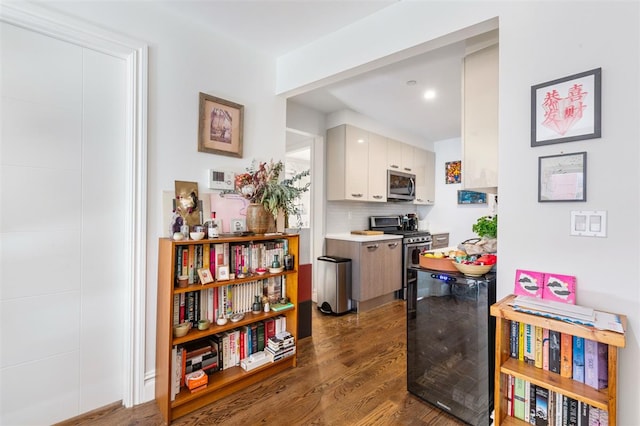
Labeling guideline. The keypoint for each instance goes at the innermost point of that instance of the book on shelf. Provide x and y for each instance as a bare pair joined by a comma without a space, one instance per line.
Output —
554,351
521,341
532,404
551,408
529,344
596,363
572,411
277,307
578,359
538,333
545,349
513,339
518,401
260,335
542,411
527,400
566,355
509,379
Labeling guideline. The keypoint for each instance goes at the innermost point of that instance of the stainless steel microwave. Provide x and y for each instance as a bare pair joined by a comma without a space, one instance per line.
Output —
400,186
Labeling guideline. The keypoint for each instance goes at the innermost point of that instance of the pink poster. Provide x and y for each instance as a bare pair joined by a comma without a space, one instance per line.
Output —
560,288
528,283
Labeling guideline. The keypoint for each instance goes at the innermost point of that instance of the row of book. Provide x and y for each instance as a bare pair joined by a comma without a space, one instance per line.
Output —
225,350
240,257
542,407
225,301
574,357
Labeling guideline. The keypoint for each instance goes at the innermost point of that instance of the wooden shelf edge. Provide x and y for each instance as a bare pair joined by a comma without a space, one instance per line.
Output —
250,318
504,310
557,383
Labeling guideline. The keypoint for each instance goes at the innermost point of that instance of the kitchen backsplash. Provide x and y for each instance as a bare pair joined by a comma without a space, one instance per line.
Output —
347,216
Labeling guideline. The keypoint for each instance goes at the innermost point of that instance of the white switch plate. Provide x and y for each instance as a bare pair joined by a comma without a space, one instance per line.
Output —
589,223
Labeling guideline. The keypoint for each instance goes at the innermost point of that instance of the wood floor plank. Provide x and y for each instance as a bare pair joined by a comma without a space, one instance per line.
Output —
351,371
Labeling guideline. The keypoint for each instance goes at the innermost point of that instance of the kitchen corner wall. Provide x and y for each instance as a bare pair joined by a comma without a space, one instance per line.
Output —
446,215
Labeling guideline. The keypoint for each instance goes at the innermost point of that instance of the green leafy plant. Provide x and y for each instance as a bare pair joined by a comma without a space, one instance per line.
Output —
486,226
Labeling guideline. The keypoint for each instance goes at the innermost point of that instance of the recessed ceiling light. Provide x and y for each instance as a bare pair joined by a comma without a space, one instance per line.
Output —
411,83
430,94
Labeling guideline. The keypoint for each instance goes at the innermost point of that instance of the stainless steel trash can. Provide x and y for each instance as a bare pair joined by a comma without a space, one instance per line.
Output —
334,287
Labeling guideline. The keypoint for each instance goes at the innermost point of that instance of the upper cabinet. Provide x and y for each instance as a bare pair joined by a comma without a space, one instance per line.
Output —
480,121
349,174
425,163
358,160
400,156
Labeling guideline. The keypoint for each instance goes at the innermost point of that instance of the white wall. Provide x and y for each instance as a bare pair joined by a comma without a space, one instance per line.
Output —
577,36
185,59
446,215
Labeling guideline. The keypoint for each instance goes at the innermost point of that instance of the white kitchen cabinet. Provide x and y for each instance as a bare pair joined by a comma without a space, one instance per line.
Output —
356,165
425,177
377,176
400,156
480,121
376,269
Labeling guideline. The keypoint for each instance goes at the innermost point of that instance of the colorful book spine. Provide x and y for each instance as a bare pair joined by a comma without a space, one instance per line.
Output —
596,364
578,359
529,344
527,401
545,349
538,346
513,339
566,355
542,408
554,351
518,401
521,341
532,404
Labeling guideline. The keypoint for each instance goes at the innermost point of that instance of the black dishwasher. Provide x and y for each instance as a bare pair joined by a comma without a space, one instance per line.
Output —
450,343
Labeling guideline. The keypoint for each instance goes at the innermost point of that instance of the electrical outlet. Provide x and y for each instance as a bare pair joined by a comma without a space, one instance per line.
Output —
587,223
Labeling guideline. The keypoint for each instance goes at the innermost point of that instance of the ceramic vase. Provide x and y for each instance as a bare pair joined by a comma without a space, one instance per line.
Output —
257,218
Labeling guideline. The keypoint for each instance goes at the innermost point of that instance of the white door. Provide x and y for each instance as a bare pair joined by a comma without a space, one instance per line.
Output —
62,228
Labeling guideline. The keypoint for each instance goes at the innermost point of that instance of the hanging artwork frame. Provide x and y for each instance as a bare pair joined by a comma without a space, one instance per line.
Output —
220,126
453,172
567,109
562,177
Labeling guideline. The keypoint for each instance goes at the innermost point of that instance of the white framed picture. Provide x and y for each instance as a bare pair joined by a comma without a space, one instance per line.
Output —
238,225
205,276
223,273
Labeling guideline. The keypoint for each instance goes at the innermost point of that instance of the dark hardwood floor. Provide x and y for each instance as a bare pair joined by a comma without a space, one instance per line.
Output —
351,371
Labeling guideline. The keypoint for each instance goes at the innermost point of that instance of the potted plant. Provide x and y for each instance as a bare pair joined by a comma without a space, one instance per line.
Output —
261,185
486,227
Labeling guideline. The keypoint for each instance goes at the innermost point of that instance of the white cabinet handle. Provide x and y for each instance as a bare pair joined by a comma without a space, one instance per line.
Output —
372,247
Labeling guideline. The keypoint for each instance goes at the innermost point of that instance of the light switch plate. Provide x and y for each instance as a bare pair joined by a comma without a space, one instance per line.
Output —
589,223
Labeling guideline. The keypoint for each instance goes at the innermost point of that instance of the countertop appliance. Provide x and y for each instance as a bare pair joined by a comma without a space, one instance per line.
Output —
400,186
450,343
414,242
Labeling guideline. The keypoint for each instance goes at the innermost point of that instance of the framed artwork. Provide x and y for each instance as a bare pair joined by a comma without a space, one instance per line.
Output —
567,109
238,225
453,172
186,202
562,177
472,197
205,276
220,126
223,273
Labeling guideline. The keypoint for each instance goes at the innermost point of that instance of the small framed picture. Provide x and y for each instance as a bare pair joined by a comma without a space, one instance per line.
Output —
205,276
238,225
562,177
471,197
223,273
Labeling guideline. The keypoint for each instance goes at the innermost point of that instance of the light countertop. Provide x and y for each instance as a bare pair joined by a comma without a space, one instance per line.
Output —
362,238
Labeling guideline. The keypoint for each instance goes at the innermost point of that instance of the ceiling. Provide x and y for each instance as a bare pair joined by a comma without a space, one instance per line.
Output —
276,27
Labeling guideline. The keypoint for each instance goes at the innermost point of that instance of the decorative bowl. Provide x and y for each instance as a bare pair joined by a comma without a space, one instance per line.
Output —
196,235
204,324
261,271
472,270
276,270
444,264
182,329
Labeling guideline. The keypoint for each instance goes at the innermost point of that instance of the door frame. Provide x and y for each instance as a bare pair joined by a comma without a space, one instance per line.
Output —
135,55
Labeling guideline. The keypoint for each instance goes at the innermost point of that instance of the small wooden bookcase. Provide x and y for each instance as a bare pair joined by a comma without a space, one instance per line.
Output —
225,382
605,399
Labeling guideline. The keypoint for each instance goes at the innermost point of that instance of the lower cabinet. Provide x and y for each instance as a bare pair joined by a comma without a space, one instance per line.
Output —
440,240
376,269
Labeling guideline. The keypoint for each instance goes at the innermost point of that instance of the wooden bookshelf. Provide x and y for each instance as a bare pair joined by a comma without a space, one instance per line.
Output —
225,382
605,399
